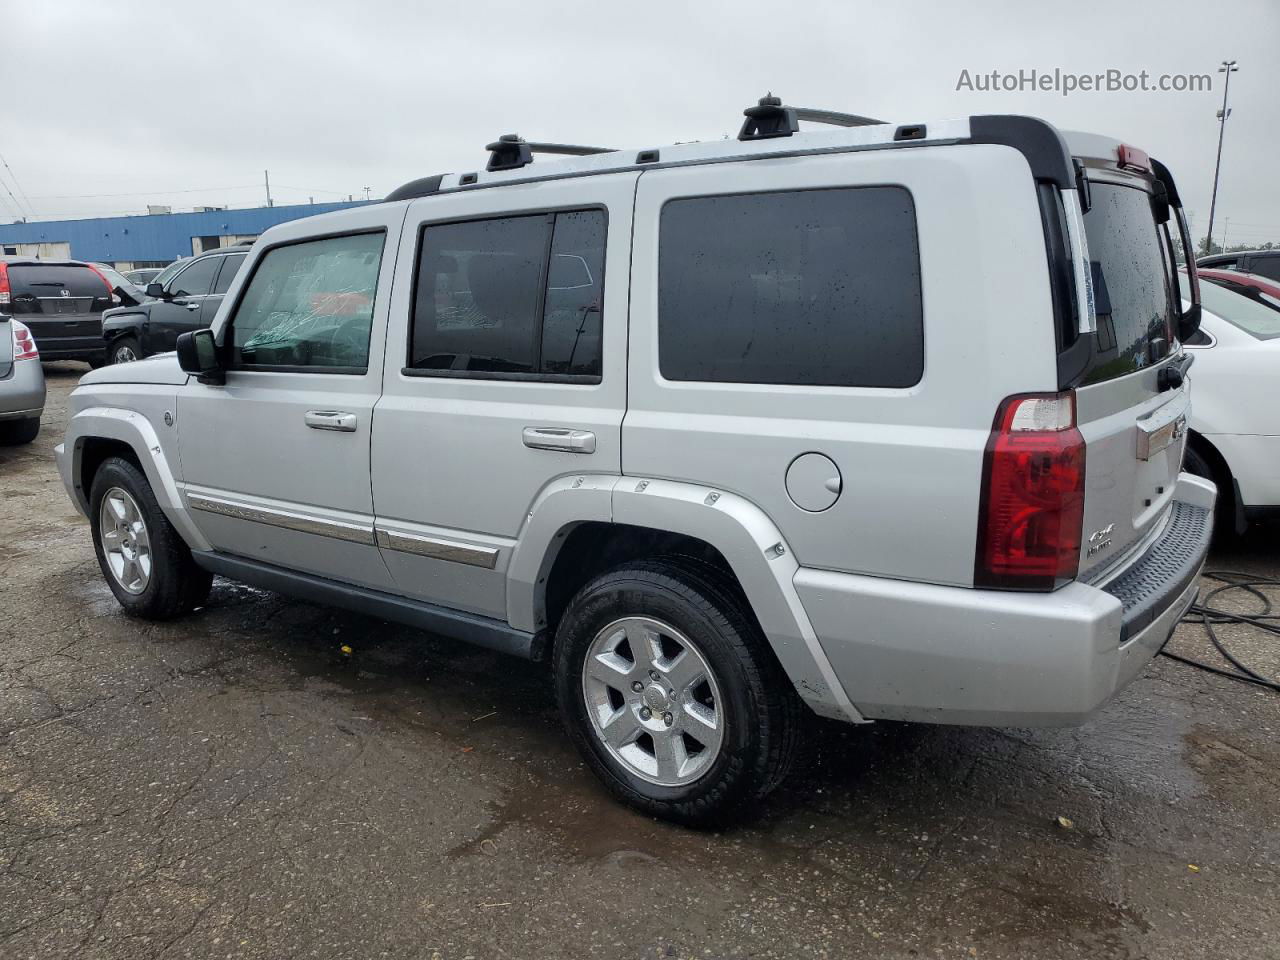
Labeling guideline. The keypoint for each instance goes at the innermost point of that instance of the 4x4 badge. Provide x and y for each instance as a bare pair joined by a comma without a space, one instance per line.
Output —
1099,540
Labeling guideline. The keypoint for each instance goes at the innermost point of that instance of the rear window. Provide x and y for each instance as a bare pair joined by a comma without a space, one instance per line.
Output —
1131,282
36,289
810,287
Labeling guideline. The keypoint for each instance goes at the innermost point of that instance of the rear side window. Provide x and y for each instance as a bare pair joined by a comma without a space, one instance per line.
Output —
230,267
1132,282
309,306
1268,267
511,296
55,290
813,287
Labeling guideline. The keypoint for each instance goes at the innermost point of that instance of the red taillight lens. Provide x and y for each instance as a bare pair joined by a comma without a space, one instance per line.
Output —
24,345
4,284
1131,158
111,293
1032,506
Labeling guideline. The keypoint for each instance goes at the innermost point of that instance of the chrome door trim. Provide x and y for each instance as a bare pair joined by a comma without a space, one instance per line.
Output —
287,519
437,549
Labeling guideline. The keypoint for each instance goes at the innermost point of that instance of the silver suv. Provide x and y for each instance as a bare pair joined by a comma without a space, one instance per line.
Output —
882,422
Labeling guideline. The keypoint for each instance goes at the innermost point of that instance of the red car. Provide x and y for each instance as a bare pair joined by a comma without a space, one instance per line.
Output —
1249,284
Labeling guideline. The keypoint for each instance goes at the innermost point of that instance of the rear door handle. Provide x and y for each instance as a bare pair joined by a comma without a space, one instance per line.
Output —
555,438
331,420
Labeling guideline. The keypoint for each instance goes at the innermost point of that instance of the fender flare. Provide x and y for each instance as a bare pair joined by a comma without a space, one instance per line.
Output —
753,546
135,431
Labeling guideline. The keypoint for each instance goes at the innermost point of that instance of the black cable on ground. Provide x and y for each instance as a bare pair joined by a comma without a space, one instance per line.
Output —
1204,612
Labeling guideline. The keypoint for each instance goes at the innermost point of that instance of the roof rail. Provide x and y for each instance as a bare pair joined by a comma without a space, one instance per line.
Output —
771,118
510,152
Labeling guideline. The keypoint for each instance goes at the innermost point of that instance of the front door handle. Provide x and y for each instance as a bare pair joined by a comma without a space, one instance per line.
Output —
192,306
556,438
331,420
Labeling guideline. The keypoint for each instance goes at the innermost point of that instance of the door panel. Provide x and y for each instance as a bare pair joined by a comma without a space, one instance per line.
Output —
276,462
449,458
189,290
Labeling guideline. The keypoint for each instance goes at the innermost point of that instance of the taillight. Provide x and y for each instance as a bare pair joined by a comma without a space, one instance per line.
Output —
4,284
111,292
1032,506
1131,158
24,345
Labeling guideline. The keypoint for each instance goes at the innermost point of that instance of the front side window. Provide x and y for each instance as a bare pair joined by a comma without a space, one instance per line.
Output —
808,287
511,296
196,280
310,305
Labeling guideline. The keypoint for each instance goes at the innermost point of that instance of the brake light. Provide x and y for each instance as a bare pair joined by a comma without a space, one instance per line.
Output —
24,345
1131,158
111,293
1032,503
4,284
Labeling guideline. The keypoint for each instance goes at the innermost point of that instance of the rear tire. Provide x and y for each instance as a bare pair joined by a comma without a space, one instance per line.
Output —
145,563
715,723
15,432
124,350
1225,523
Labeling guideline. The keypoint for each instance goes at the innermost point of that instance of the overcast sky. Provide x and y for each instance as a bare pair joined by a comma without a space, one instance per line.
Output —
109,107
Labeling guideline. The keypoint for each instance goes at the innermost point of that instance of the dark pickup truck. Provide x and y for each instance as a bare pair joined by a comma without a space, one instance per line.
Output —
185,296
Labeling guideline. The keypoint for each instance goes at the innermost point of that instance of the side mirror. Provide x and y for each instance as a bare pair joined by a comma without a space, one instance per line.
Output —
155,291
198,354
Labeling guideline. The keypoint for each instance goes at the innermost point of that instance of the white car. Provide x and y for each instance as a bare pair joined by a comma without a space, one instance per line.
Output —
1235,410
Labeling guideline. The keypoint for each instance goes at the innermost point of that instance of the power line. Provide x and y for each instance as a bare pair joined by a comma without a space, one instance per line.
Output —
138,193
14,177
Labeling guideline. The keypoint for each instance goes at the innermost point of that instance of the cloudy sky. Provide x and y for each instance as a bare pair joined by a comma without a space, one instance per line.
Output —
109,107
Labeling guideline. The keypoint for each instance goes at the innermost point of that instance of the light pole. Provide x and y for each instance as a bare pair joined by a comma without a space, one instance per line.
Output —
1228,67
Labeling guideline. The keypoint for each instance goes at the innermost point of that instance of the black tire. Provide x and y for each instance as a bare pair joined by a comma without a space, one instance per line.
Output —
763,714
97,363
122,345
176,584
1224,515
14,432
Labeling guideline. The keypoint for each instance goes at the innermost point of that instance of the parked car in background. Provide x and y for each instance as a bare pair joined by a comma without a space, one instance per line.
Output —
1235,419
1265,263
125,290
178,300
719,431
140,278
21,383
1251,285
61,301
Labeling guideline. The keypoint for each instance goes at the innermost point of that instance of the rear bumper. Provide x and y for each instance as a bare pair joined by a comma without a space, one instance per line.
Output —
72,348
22,392
922,652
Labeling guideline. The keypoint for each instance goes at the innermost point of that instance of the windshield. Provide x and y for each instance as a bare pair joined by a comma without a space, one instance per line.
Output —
1254,318
1131,282
165,275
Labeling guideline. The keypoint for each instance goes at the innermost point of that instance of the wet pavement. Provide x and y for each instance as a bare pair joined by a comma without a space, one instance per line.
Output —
233,785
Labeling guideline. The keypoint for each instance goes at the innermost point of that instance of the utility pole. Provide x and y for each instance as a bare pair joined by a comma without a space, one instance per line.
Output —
367,191
1226,223
266,178
1228,67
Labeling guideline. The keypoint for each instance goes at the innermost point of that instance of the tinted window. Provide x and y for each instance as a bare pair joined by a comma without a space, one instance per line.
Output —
511,295
230,267
310,305
816,287
196,280
1131,283
1266,267
56,290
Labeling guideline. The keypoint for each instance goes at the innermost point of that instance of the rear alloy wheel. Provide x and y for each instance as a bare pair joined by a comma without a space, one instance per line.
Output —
125,350
671,693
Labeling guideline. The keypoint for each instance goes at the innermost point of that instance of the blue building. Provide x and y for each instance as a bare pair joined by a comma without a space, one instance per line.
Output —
150,240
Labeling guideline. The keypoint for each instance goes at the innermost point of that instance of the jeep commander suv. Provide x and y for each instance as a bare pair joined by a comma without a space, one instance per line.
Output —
884,421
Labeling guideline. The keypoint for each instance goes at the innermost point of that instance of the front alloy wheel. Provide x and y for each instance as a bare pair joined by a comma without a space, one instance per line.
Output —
125,541
653,700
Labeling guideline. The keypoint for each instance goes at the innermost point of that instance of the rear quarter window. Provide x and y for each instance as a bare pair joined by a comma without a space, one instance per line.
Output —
808,287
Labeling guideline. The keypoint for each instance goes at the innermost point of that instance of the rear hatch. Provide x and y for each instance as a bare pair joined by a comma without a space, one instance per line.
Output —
58,300
1130,412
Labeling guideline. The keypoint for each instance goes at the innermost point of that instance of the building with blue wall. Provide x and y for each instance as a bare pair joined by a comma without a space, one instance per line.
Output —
148,240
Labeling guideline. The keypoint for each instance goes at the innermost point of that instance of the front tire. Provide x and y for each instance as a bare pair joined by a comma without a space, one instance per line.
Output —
124,350
670,692
14,432
146,564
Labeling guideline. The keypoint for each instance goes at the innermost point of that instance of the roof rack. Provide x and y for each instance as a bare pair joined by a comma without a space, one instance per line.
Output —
509,152
771,118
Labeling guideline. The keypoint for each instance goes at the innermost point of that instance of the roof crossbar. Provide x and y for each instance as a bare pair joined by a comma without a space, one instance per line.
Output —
834,118
509,152
770,117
